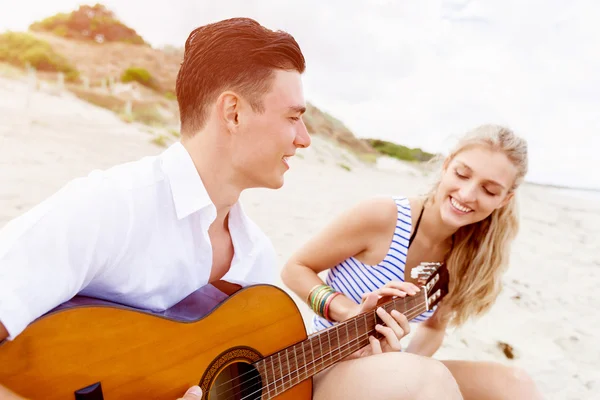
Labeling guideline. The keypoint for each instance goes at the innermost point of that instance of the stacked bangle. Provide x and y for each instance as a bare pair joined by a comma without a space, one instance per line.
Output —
319,298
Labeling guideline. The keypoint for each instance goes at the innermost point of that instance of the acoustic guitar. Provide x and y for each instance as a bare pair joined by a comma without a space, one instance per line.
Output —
236,343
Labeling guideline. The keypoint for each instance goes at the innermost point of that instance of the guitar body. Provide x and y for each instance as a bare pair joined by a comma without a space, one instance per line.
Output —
136,354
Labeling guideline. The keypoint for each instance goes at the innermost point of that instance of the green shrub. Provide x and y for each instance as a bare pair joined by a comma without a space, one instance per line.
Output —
398,151
22,49
345,166
141,75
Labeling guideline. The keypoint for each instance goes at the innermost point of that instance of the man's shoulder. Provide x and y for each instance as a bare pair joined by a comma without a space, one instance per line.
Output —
98,192
130,175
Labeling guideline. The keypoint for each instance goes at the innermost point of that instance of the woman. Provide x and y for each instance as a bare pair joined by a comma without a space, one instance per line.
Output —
467,221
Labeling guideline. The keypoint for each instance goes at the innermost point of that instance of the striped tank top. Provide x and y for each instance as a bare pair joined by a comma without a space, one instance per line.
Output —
354,278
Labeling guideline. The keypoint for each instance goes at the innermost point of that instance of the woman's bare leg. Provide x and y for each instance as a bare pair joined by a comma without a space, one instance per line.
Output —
387,376
484,380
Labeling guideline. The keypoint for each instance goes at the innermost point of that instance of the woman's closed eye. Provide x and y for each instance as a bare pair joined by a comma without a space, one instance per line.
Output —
489,192
461,176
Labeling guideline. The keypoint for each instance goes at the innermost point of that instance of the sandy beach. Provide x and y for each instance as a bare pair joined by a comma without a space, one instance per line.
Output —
547,311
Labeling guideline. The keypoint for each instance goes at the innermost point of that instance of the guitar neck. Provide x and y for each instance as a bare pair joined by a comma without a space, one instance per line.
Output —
286,368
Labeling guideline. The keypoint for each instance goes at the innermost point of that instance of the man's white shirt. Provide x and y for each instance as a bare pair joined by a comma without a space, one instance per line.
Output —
136,234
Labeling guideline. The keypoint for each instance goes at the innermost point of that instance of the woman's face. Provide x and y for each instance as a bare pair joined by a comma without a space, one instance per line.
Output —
474,184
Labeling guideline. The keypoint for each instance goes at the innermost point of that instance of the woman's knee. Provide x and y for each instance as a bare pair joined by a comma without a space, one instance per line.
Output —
437,380
492,381
521,384
426,378
387,376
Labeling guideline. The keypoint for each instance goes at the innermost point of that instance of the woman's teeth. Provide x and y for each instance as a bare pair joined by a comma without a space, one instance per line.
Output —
458,206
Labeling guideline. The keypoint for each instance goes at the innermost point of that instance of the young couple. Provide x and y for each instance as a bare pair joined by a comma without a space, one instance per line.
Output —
150,232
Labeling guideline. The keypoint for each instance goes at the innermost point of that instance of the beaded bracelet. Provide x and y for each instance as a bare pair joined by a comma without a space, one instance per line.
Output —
319,298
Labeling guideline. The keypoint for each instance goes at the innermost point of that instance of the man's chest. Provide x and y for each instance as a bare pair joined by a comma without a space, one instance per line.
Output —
222,254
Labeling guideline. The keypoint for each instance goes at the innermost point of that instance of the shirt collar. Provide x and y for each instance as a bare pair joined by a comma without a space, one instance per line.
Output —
187,188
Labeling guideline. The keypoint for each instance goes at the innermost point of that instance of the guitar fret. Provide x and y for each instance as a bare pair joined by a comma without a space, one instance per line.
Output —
289,374
274,376
329,349
366,328
348,337
357,331
339,343
281,371
314,361
296,370
320,347
305,363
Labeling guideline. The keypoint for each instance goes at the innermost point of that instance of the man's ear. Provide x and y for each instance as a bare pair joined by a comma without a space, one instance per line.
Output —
228,105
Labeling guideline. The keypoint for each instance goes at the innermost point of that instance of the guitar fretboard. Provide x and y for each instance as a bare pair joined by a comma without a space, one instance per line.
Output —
288,367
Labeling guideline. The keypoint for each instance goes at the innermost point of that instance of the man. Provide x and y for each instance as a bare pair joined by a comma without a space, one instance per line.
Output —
150,232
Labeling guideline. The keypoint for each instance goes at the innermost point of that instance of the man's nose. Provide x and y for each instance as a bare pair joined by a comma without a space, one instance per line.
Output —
302,139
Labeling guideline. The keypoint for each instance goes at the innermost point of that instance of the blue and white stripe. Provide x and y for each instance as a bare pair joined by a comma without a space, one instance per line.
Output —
354,278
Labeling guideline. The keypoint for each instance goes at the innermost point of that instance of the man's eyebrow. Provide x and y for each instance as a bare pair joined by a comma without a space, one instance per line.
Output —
298,109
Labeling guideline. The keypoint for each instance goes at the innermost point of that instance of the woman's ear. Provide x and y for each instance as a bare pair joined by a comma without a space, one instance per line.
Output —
508,197
446,164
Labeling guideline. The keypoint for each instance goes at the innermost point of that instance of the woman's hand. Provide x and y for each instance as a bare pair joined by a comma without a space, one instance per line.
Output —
396,324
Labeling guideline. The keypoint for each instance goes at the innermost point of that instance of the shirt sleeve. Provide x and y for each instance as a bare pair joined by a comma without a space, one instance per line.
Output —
51,252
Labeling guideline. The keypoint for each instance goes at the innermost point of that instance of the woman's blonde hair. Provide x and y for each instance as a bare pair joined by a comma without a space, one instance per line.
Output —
480,251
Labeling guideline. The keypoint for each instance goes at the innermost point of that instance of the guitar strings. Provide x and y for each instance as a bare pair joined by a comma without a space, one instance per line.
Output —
362,341
350,347
358,327
405,301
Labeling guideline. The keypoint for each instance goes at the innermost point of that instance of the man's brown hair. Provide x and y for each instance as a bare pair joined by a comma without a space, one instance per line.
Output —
235,54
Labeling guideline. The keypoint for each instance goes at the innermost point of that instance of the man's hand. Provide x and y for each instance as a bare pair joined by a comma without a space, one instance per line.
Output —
6,394
193,393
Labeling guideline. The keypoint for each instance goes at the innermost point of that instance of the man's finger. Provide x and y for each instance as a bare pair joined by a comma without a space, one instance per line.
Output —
6,394
193,393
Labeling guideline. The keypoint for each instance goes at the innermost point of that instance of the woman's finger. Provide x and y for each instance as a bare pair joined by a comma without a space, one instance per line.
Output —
408,287
390,292
375,345
390,322
402,321
390,336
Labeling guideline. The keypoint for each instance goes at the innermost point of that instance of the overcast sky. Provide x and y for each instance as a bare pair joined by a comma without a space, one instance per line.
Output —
419,72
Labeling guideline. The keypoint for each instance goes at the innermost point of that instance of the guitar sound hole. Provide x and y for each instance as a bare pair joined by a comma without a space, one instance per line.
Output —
237,381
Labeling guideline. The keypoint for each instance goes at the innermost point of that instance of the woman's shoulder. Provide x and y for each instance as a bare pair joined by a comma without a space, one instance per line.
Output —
381,209
410,206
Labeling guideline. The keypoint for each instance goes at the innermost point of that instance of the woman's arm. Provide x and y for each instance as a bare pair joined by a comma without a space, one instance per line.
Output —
351,234
429,335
